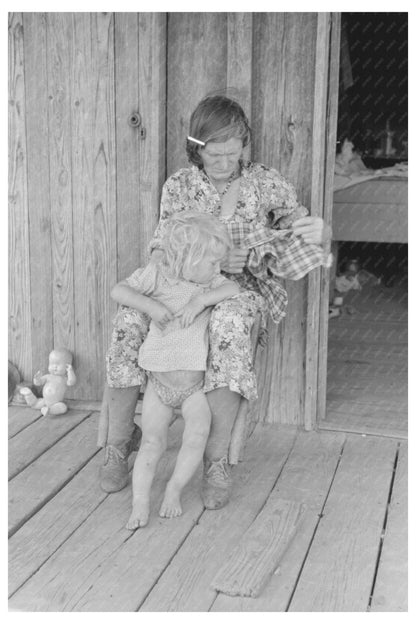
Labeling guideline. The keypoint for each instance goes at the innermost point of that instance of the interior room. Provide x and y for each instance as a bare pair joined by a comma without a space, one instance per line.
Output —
367,346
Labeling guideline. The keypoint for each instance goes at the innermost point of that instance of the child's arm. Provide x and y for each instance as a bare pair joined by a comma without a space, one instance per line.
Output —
210,298
125,295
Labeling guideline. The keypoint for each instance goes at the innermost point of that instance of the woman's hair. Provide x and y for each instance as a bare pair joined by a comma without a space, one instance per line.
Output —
188,237
217,118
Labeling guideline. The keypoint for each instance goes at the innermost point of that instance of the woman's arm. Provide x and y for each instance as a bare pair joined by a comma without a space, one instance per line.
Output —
209,298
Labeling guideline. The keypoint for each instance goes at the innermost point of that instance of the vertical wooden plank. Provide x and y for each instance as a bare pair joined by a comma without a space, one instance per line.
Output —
140,59
59,49
239,58
339,570
152,99
391,588
317,193
37,129
197,65
20,346
93,123
331,136
127,143
239,61
283,94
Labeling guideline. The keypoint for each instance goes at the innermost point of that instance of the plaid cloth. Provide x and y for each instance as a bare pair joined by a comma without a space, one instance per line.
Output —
275,254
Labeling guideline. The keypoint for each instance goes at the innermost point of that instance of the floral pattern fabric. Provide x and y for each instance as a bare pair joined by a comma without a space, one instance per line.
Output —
264,197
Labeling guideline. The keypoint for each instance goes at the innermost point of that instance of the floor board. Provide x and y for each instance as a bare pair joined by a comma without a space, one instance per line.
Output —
340,567
70,551
37,438
185,585
306,478
45,477
390,592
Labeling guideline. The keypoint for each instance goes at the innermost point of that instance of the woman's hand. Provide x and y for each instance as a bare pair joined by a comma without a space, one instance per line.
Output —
190,311
312,229
235,260
160,314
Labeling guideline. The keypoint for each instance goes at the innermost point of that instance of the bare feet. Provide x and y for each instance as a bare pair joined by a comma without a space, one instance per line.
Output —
139,516
171,505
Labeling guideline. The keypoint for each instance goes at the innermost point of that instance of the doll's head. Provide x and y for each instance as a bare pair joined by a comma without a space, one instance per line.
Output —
194,243
58,361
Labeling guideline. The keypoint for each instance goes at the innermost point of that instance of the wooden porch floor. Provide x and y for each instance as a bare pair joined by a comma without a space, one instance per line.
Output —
69,550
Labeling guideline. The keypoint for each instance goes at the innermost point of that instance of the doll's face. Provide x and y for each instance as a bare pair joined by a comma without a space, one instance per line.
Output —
57,364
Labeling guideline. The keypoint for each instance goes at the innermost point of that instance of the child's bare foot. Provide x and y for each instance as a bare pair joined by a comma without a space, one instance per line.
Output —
139,516
171,505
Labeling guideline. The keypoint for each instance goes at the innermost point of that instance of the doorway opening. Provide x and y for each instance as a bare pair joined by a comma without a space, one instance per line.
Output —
368,315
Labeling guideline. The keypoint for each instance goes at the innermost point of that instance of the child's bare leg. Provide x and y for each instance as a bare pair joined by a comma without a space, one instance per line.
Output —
197,416
156,417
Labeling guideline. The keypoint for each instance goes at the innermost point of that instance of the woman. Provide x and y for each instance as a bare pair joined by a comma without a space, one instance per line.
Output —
242,195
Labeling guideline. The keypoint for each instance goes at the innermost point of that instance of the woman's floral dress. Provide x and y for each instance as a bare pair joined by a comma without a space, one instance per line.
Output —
264,197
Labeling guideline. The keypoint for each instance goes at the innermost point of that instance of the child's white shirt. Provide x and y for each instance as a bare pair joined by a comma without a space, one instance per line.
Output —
174,348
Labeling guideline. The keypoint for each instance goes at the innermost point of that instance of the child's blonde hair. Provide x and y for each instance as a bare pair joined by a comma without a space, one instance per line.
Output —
188,237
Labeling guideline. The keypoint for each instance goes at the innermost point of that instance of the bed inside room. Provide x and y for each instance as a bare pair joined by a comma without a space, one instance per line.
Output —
367,332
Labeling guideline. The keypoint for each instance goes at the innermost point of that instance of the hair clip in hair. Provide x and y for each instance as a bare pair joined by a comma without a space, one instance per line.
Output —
196,141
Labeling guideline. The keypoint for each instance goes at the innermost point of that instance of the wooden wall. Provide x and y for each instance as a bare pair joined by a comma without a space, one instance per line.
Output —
84,185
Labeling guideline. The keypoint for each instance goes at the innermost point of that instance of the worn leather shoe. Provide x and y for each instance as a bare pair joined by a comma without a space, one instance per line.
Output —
216,484
114,473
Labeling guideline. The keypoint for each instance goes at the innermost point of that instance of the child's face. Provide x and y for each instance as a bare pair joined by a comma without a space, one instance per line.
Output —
204,271
57,364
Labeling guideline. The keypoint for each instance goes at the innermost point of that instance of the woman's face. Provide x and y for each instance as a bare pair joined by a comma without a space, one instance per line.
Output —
220,160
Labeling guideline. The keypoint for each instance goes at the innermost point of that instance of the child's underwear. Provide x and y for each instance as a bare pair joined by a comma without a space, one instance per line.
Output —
171,396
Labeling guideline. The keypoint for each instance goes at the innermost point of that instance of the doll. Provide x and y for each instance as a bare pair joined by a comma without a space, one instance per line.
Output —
60,375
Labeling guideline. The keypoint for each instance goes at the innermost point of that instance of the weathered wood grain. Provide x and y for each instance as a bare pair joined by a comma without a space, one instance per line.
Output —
390,591
284,51
94,162
339,570
20,322
47,530
59,52
81,575
20,417
306,478
239,59
42,479
185,584
39,437
140,59
152,105
197,65
127,88
256,557
37,132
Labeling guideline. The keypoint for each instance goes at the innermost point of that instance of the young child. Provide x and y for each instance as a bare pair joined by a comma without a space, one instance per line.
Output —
177,291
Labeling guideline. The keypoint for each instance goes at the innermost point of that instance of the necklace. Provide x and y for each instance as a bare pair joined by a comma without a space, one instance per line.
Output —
230,180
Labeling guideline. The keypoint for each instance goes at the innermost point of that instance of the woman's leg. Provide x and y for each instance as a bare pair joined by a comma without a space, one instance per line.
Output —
156,418
197,417
117,432
230,375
